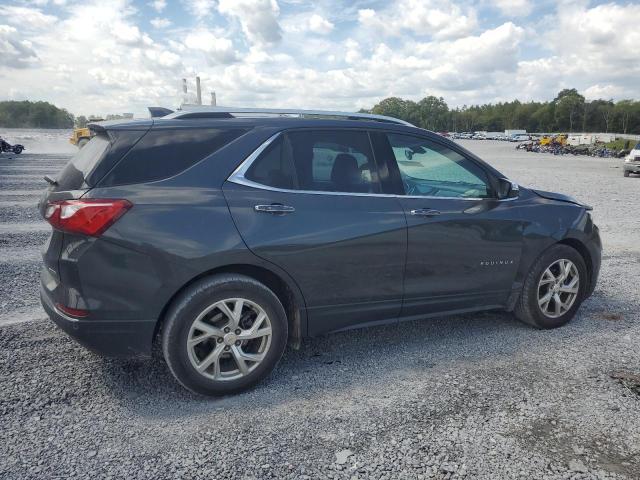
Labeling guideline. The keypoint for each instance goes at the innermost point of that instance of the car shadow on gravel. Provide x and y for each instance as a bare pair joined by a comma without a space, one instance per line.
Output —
346,361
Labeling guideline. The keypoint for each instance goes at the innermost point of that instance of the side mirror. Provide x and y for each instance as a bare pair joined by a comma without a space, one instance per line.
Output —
507,189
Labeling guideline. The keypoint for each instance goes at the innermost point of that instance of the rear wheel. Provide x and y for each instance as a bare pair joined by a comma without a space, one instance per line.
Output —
18,149
553,289
224,334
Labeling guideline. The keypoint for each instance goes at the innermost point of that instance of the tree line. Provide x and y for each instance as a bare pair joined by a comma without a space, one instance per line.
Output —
567,112
26,114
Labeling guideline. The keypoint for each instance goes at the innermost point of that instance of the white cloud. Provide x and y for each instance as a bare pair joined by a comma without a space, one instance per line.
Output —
126,33
258,18
217,49
14,52
595,92
158,5
26,17
160,22
320,25
514,8
200,8
426,18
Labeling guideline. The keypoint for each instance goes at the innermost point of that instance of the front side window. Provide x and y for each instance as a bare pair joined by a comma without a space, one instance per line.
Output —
433,170
321,160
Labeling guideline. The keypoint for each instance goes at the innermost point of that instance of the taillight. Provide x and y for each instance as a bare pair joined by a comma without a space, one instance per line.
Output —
90,217
72,312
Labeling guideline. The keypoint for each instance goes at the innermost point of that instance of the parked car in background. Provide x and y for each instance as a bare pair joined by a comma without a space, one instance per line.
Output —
519,138
632,161
226,233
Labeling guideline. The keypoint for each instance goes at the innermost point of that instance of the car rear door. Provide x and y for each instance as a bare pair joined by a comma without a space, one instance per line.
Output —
463,244
310,202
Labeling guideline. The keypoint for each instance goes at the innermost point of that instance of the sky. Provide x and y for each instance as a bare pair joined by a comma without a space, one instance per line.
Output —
114,56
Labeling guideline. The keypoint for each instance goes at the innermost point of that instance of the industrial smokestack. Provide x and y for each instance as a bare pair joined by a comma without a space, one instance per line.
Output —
198,92
213,98
185,98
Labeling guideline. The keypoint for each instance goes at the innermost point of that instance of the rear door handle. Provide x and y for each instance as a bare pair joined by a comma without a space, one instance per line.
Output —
275,208
425,212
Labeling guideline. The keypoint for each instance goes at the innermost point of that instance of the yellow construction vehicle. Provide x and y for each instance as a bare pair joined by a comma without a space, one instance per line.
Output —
553,139
81,136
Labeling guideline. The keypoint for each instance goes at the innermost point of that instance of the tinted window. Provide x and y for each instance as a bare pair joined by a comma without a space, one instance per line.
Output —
164,153
72,176
333,161
430,169
274,167
329,161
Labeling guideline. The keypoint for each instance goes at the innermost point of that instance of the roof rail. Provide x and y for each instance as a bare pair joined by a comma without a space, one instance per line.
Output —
200,111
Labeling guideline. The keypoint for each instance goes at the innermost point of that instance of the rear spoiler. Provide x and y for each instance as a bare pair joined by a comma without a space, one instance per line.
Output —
157,112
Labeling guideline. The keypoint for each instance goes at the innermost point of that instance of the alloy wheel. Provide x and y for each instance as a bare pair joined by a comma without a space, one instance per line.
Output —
229,339
558,288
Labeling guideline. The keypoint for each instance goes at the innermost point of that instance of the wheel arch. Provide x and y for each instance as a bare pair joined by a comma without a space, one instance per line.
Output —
582,249
572,242
286,291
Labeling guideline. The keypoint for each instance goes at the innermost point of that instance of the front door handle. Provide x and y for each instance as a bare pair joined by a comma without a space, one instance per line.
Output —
425,212
275,208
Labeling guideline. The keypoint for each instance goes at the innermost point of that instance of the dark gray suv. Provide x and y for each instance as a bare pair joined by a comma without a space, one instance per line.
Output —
227,234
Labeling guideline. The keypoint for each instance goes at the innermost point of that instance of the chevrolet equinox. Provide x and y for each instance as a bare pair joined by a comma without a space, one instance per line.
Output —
227,234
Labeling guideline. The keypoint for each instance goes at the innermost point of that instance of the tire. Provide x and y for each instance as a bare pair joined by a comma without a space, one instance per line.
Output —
17,150
206,302
528,308
626,173
82,142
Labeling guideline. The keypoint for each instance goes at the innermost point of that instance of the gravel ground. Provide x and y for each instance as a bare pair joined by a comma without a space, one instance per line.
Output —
474,396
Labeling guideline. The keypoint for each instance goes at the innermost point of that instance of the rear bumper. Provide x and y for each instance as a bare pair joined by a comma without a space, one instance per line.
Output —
631,167
110,338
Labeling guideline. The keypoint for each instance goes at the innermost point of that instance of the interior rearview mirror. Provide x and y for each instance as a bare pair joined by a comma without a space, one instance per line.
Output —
507,189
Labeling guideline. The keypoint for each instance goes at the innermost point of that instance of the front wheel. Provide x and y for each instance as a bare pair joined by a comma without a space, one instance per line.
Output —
224,334
554,288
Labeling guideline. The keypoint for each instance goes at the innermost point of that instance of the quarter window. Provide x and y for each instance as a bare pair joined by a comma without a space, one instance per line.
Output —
433,170
164,153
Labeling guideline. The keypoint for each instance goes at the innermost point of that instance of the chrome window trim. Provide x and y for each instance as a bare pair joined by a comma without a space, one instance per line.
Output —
238,177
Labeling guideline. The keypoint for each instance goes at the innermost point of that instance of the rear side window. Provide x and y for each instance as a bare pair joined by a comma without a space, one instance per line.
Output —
73,175
274,167
322,160
164,153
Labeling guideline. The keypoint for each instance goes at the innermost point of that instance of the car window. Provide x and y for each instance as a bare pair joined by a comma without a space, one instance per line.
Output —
333,161
164,153
274,167
430,169
73,175
324,160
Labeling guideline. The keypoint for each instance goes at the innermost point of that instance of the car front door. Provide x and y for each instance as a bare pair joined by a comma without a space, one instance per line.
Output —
463,243
310,203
